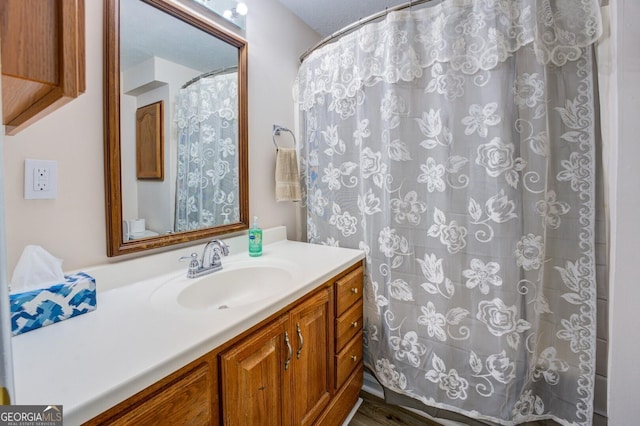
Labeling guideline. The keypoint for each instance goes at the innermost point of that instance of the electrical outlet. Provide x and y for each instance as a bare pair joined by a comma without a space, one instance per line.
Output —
40,179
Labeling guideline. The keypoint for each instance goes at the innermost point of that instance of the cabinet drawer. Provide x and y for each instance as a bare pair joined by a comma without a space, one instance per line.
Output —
348,325
348,359
348,290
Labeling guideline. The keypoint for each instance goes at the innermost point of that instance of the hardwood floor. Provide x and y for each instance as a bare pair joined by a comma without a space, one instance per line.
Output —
374,412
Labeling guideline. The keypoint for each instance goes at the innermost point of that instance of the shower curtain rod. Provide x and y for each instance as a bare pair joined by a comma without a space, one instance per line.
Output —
361,22
208,74
375,16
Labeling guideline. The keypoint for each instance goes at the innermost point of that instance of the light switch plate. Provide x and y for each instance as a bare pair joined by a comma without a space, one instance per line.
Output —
40,179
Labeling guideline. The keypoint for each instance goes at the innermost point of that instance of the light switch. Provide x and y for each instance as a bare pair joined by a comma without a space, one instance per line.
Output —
40,179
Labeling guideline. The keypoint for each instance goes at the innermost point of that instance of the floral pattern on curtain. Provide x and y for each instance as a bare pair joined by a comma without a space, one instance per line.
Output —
207,172
455,145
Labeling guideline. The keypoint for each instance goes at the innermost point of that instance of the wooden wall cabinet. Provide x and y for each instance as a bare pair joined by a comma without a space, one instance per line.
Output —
301,366
43,58
150,141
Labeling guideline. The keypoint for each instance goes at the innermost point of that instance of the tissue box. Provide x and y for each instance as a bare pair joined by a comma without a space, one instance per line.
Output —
38,308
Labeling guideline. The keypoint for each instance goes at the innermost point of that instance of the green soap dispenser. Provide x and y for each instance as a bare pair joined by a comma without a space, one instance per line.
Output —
255,239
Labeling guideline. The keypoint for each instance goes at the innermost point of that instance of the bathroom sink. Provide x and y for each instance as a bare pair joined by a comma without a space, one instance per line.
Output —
235,286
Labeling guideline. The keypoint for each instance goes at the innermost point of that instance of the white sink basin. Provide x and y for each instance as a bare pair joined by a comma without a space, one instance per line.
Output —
235,286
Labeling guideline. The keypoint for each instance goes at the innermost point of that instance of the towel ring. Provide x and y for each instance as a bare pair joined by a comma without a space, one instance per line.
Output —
276,132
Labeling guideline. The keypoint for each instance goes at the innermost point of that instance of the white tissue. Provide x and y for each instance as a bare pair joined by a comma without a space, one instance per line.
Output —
36,269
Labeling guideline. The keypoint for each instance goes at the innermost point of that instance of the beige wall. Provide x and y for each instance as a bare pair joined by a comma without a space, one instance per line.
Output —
72,227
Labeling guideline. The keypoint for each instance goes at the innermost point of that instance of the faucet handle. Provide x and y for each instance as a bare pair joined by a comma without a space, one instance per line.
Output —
224,247
194,265
191,257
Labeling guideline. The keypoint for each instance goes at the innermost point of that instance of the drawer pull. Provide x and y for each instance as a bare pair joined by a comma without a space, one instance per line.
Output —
300,339
289,351
354,358
354,324
354,290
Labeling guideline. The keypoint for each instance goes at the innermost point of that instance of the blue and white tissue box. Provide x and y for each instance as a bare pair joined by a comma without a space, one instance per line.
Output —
38,308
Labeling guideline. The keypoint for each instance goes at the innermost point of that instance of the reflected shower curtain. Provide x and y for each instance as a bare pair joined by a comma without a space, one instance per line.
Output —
207,172
455,145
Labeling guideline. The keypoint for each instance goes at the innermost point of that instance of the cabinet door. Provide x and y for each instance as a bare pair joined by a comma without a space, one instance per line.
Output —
43,64
188,401
254,380
310,322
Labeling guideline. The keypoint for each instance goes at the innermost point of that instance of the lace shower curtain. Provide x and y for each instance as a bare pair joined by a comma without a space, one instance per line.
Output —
207,172
455,145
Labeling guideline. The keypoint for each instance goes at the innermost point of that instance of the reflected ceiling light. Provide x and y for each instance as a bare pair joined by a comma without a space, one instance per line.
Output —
241,8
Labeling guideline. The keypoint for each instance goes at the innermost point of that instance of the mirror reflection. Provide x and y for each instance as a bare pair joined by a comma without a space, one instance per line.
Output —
175,126
233,11
207,178
195,77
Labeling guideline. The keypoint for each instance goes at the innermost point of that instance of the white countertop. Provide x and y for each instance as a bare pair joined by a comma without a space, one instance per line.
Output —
94,361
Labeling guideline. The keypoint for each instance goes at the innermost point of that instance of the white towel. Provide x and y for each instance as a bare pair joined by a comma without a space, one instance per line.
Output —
287,176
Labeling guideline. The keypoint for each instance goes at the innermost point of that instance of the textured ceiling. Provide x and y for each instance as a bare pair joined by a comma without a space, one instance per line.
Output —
329,16
146,32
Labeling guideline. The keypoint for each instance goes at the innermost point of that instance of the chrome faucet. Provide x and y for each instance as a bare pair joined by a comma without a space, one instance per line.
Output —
210,261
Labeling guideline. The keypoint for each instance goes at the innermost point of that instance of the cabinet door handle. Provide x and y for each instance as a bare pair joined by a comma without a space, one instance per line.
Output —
354,358
354,324
300,339
290,351
354,290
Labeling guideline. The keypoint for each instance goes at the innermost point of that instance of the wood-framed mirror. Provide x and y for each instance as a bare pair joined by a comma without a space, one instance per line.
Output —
160,50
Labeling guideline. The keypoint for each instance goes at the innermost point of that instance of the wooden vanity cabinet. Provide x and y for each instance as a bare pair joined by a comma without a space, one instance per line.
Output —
252,378
312,358
43,58
280,372
301,366
348,355
347,369
188,396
